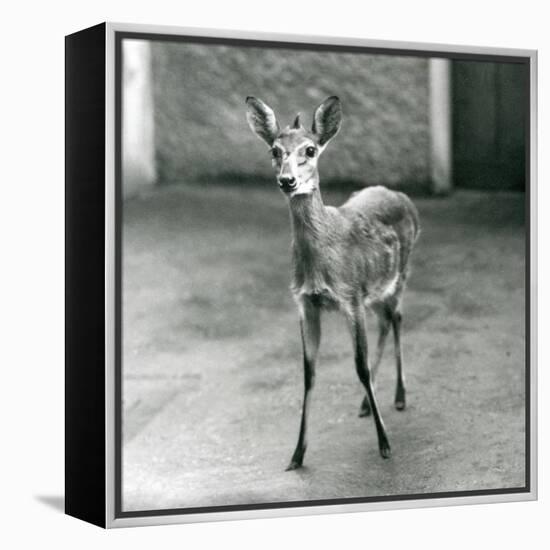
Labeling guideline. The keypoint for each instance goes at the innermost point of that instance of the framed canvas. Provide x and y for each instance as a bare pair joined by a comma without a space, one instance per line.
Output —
229,195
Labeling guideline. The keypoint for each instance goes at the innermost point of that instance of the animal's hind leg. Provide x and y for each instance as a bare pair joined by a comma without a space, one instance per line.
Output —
384,322
400,401
359,337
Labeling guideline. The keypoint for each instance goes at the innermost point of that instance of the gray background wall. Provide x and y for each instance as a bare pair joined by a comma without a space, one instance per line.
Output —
199,96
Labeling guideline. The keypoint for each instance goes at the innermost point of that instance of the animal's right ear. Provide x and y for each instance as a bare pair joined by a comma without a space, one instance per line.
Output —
261,120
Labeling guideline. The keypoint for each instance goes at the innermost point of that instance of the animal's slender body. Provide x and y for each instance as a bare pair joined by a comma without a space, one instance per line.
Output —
345,258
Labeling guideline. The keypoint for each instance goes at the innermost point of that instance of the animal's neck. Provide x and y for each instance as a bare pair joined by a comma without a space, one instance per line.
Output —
311,236
309,218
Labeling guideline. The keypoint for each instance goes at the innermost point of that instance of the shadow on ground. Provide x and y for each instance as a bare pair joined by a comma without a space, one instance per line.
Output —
56,502
212,362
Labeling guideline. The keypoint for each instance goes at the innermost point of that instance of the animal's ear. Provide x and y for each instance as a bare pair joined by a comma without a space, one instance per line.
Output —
327,119
261,120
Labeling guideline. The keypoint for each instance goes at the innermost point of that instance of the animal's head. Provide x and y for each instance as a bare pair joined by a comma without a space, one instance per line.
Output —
295,151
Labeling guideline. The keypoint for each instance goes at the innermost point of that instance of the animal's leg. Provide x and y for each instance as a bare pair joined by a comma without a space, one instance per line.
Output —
359,337
384,323
400,401
310,324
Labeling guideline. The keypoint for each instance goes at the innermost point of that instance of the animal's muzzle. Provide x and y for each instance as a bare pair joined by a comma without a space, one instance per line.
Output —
287,183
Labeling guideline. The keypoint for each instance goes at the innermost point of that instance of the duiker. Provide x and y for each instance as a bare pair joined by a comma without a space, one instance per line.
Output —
345,258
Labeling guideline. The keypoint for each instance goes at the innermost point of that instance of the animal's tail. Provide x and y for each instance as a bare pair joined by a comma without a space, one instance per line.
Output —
414,217
416,220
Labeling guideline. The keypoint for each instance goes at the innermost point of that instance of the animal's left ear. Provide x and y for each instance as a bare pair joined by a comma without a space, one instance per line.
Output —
327,119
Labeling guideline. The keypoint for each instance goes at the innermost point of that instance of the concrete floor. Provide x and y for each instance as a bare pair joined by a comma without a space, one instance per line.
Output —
212,360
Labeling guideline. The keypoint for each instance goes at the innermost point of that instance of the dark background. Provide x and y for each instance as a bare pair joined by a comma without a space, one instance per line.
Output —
489,107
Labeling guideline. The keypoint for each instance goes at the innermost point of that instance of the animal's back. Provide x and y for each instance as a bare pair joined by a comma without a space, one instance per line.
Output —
392,209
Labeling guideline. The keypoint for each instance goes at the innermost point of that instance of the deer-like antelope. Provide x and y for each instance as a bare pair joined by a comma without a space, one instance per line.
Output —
345,258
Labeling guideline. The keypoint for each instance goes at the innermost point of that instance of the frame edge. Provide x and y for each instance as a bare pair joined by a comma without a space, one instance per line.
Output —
529,55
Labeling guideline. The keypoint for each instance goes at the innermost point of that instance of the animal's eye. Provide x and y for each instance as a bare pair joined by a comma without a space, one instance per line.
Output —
310,152
275,153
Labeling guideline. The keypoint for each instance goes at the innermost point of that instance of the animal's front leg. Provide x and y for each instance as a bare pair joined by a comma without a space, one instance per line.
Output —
359,338
310,324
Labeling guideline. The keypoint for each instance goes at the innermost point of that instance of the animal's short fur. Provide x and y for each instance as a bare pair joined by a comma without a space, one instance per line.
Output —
343,258
364,244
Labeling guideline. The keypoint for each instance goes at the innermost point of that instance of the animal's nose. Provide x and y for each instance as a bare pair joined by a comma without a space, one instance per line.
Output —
287,182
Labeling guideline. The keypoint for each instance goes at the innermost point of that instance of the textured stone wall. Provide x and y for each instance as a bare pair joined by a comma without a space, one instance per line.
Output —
201,131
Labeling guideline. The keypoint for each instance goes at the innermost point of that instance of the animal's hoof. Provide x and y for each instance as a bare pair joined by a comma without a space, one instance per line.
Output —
400,398
297,459
293,466
385,450
365,409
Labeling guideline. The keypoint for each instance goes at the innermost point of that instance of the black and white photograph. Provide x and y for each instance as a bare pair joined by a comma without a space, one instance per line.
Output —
274,275
324,274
